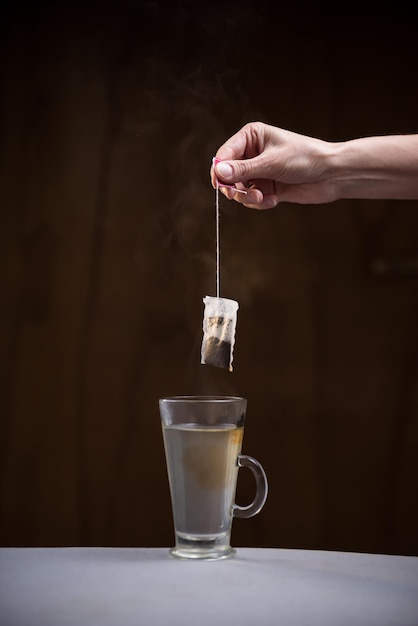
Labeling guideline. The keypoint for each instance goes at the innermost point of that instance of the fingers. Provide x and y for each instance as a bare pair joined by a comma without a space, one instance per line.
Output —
260,194
225,172
240,161
262,166
235,147
232,172
254,199
242,147
220,172
269,202
238,187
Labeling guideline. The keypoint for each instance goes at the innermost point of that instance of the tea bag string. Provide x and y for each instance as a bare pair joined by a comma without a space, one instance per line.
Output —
217,242
215,161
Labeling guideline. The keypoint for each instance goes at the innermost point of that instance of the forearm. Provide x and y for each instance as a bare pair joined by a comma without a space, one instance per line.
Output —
375,167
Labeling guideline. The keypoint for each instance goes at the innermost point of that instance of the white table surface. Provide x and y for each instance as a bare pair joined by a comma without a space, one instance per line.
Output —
145,586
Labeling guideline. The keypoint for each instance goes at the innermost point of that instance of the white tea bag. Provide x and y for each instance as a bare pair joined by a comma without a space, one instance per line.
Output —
219,322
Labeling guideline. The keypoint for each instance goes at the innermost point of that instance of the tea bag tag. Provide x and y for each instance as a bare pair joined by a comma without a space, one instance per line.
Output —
219,323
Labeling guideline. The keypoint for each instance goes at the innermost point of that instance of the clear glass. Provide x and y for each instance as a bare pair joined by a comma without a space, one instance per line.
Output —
203,440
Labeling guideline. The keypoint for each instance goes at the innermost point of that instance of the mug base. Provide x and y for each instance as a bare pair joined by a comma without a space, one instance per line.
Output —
201,554
202,547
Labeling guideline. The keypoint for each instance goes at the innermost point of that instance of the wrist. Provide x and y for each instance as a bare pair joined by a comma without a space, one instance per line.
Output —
345,173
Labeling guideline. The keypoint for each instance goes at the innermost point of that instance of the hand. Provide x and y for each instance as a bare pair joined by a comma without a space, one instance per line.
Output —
273,165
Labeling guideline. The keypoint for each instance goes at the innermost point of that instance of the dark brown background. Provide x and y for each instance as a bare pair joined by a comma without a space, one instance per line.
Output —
109,115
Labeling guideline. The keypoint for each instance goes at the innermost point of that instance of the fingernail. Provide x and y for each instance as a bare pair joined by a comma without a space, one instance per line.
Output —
224,171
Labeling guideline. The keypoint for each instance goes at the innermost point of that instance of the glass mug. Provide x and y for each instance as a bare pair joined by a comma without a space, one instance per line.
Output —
202,440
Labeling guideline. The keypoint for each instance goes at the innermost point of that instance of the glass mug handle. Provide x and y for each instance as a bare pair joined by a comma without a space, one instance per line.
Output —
261,488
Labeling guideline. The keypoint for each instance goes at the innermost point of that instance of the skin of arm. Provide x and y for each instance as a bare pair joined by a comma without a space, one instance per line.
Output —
383,167
275,165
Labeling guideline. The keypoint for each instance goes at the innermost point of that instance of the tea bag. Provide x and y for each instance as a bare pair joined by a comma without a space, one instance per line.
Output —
219,323
220,316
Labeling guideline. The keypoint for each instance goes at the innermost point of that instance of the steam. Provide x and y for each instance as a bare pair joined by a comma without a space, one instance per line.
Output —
192,95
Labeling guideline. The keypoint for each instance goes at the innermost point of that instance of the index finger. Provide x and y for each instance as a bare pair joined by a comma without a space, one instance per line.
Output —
234,148
231,150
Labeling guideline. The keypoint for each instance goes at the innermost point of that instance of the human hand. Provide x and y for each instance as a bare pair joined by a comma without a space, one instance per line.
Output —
274,165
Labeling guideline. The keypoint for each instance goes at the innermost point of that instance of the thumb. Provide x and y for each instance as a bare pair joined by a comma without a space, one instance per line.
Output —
235,171
225,171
